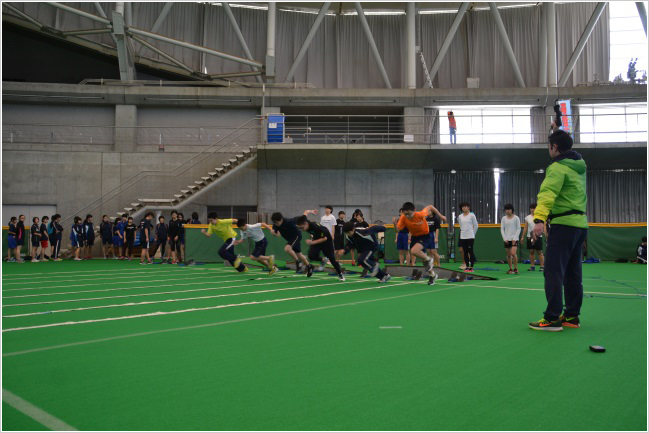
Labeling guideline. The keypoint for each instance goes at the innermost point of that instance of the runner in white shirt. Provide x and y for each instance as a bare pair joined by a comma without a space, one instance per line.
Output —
255,232
510,229
328,220
468,229
535,246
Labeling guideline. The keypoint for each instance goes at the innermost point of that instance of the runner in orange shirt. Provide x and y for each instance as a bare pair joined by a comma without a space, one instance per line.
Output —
417,225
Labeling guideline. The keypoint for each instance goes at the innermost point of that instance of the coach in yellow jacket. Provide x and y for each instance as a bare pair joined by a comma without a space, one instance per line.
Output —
562,202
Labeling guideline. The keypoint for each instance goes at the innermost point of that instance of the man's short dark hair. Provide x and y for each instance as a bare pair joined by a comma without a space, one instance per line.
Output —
408,206
302,220
276,217
330,207
130,218
161,217
195,215
212,215
77,219
342,212
562,139
348,226
465,203
533,206
241,222
151,214
509,206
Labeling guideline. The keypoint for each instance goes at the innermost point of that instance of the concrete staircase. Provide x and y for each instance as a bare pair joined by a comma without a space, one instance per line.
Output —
187,194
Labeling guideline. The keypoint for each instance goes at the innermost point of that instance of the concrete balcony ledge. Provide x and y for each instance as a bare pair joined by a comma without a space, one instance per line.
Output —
443,156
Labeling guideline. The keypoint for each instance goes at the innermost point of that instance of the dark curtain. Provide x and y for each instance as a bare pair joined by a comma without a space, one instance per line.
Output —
520,188
617,196
476,187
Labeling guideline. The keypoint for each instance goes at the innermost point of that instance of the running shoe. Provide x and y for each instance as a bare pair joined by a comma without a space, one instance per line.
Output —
386,278
544,325
541,269
58,260
516,271
569,322
531,269
463,266
77,260
432,279
272,271
469,270
309,270
271,261
341,277
237,263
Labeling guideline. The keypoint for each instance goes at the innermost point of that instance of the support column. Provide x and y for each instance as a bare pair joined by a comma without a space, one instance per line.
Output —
270,42
508,46
447,40
543,49
415,125
411,75
125,55
125,128
551,21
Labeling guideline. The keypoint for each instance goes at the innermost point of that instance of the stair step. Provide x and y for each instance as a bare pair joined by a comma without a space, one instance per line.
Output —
136,204
227,166
185,191
219,170
240,157
212,173
233,161
206,178
192,187
199,182
179,195
128,209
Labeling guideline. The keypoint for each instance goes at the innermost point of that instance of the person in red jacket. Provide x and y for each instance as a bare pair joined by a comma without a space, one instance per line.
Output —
453,127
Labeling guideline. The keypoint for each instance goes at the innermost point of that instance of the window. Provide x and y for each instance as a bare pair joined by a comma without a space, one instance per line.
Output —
612,123
628,39
495,124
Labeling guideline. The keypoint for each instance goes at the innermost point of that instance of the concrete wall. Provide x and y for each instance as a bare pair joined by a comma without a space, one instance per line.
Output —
383,191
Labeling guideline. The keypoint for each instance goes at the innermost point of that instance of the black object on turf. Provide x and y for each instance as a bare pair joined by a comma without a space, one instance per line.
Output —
599,349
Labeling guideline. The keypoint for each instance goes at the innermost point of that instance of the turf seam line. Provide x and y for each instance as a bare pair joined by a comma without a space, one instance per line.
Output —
45,280
63,301
228,322
121,269
34,412
190,310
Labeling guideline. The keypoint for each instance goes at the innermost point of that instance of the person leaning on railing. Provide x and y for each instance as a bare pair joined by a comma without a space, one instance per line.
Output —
452,127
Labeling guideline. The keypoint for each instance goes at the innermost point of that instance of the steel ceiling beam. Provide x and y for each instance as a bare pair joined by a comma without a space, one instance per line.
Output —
23,15
411,42
79,12
307,41
508,46
102,14
585,35
135,30
124,50
239,35
642,11
373,48
88,32
163,14
271,17
543,50
447,41
551,23
162,53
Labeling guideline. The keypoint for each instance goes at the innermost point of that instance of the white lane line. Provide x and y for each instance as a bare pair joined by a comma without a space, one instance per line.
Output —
264,283
165,301
543,290
121,282
390,327
227,322
96,272
190,310
46,280
232,274
35,413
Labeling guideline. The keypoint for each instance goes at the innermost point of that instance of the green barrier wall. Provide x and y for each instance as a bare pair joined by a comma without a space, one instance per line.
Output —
5,245
604,243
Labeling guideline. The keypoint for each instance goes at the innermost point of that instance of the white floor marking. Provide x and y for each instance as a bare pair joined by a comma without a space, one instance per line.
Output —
390,327
97,272
165,301
45,280
190,310
543,290
265,283
232,274
35,413
227,322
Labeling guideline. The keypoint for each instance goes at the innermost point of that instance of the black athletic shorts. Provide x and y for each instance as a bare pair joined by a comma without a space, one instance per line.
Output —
107,241
511,244
423,240
296,244
339,242
535,245
260,248
89,242
172,244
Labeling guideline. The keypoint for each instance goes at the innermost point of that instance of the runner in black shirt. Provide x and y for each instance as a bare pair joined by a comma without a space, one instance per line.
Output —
289,231
320,242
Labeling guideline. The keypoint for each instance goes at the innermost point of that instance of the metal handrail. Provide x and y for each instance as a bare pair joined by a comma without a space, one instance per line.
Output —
146,173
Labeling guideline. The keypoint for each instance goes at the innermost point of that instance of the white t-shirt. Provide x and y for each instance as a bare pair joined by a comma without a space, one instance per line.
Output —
253,231
328,221
510,228
468,226
530,225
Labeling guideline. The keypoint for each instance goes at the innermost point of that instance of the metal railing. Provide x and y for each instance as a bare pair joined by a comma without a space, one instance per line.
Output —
156,184
472,129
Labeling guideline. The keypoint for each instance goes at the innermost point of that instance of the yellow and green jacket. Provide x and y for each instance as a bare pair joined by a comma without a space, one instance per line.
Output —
564,190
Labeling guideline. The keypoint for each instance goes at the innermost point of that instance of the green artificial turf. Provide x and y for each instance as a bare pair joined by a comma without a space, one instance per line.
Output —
397,356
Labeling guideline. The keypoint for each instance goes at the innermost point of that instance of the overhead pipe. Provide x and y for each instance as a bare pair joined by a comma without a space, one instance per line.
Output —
642,11
163,54
78,12
239,35
551,23
23,15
